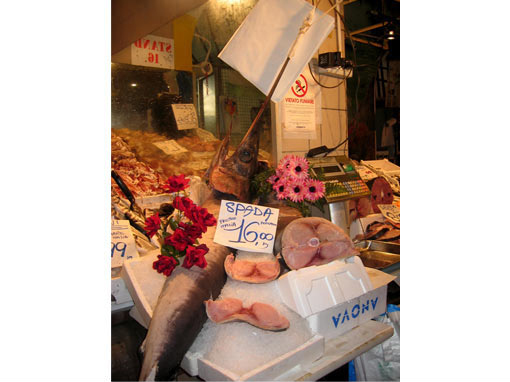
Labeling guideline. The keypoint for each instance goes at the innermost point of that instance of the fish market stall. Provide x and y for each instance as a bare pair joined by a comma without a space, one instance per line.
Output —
232,255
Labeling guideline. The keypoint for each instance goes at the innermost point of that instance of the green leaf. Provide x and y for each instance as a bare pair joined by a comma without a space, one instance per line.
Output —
165,250
173,224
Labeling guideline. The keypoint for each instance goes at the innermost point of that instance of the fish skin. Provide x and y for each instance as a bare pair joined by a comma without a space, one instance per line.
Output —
180,314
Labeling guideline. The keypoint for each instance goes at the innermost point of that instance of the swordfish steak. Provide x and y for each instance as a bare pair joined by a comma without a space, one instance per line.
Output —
180,314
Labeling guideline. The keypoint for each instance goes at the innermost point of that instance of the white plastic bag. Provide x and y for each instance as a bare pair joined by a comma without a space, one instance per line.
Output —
382,362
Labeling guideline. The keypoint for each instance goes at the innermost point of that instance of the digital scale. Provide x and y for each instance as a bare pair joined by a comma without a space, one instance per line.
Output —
340,171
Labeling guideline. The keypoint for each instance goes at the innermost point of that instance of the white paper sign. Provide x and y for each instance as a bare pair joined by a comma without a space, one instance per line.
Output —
123,243
260,46
301,108
246,226
185,116
170,147
390,212
154,51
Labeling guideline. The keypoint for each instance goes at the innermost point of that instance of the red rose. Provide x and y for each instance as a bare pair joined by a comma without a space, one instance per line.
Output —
179,240
152,225
193,231
201,217
176,183
195,256
183,204
165,265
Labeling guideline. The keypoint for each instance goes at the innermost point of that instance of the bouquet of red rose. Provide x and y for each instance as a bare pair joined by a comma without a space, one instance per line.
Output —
186,222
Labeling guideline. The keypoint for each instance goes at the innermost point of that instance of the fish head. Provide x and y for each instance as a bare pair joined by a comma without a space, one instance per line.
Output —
231,176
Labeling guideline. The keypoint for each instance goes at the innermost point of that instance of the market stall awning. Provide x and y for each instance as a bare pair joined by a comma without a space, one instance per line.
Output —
133,19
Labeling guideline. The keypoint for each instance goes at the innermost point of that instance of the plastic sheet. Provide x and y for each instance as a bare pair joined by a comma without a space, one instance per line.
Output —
382,363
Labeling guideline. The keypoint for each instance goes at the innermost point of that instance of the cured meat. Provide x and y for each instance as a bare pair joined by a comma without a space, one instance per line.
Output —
261,315
314,241
381,194
256,272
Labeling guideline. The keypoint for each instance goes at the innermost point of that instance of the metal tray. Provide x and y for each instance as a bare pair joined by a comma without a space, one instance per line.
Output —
379,255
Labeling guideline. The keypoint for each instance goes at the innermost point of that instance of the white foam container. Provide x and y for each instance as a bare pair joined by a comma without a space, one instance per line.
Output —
310,351
341,318
335,297
314,289
144,285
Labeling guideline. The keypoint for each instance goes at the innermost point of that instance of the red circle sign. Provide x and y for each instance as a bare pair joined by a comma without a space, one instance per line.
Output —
300,87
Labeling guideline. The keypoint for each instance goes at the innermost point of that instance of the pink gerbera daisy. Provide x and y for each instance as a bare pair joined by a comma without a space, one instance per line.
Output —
281,188
276,177
283,166
298,168
296,190
314,190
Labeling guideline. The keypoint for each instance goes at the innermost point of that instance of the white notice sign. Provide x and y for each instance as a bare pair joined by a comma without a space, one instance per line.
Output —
154,51
185,116
301,108
170,147
123,243
246,226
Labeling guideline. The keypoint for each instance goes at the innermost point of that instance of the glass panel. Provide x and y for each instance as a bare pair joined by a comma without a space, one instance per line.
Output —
142,97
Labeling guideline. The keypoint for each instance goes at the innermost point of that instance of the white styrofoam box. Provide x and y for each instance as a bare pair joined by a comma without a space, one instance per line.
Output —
339,319
313,289
356,228
121,294
144,285
308,352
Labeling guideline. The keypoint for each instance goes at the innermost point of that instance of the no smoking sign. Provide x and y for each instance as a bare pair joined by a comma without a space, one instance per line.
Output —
300,87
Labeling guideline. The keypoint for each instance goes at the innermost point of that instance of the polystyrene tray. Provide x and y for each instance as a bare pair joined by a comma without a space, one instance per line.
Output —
313,289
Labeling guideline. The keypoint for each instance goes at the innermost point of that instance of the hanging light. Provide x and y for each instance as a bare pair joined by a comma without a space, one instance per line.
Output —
390,32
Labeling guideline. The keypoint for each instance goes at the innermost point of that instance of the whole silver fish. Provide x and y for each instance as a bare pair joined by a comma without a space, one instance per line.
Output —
180,314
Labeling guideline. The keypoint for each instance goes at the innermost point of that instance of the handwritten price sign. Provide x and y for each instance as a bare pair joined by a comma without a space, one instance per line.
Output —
246,226
123,243
390,211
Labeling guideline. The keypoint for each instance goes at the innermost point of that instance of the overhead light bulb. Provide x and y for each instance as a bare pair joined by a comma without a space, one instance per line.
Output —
391,35
133,85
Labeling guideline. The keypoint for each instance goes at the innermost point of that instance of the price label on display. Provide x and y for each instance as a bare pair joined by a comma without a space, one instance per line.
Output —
246,226
123,243
390,212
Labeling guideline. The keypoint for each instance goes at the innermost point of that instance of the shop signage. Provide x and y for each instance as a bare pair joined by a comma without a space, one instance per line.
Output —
246,226
170,147
123,243
154,51
300,108
185,116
